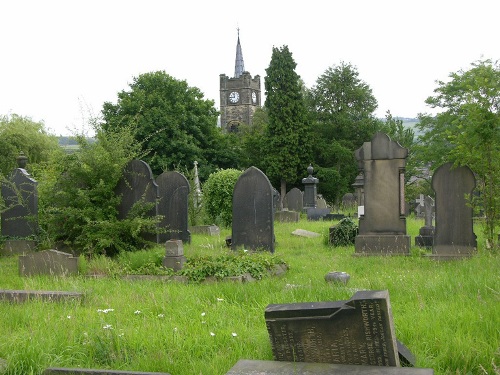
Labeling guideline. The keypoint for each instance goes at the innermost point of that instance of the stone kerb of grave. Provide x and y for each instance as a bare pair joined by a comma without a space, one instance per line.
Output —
81,371
17,296
258,367
359,331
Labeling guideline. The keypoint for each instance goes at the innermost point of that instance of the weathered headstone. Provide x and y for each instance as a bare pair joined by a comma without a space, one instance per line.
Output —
253,217
260,367
19,220
382,228
137,186
349,201
425,237
287,216
18,296
310,189
48,262
419,209
294,200
454,235
305,233
315,213
321,202
174,255
209,230
359,331
173,205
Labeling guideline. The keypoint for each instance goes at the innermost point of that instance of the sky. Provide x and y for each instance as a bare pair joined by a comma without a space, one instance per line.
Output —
60,60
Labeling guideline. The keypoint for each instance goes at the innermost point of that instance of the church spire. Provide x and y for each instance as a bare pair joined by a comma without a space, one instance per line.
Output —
239,65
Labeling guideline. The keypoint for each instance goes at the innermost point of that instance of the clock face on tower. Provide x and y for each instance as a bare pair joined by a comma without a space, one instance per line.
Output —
234,97
254,97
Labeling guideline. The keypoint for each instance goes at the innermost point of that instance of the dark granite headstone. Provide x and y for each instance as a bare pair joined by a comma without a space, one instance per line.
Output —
310,189
48,262
294,200
137,186
259,367
359,331
253,217
454,235
425,236
382,227
173,188
20,194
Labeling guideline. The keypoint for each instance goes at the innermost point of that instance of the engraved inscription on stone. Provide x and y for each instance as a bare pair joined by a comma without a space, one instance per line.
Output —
359,331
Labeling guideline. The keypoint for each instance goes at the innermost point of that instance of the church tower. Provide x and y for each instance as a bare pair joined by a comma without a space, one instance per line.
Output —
239,95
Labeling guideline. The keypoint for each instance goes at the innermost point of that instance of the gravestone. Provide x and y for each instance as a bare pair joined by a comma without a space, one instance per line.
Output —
349,201
261,367
173,205
294,200
174,255
19,220
310,189
209,230
137,186
454,236
18,296
315,213
382,227
426,233
287,216
305,233
83,371
48,262
253,216
420,208
321,202
359,331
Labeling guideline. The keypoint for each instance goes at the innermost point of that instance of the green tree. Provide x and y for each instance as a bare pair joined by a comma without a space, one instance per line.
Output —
342,107
173,122
21,134
467,132
287,136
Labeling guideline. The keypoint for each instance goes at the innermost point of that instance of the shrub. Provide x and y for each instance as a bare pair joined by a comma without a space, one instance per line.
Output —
218,196
344,233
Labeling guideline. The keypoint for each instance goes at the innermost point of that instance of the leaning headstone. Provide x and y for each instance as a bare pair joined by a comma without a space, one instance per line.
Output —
253,216
260,367
48,262
174,255
137,186
294,200
173,206
454,236
425,237
382,227
19,220
359,331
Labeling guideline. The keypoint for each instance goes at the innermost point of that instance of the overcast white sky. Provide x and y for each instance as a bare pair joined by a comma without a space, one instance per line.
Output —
60,60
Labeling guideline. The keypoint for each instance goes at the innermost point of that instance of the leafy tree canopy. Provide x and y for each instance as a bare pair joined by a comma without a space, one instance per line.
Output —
173,122
21,134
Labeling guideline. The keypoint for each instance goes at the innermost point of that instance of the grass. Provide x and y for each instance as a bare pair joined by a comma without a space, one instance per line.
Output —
446,313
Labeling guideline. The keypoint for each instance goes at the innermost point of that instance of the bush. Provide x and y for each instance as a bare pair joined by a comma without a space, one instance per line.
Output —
344,233
218,196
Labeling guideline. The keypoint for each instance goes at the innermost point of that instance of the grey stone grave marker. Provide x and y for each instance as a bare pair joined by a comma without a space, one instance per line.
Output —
294,200
173,188
454,235
48,262
287,216
259,367
359,331
19,296
174,255
82,371
382,227
253,216
19,221
425,237
137,186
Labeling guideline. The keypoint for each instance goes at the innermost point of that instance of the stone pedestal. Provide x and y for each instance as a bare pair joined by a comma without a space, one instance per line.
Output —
174,255
425,237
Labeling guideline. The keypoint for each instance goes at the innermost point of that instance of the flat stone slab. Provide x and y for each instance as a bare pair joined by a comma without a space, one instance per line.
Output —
255,367
51,296
305,233
78,371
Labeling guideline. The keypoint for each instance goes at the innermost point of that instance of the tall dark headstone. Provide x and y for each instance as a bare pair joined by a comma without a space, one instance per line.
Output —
359,331
310,189
253,218
19,221
382,228
425,236
173,205
454,235
137,186
294,200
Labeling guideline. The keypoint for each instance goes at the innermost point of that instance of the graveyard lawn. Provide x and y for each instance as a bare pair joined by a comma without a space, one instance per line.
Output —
446,313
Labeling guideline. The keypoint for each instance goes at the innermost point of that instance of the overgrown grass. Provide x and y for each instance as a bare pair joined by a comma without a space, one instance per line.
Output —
447,313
